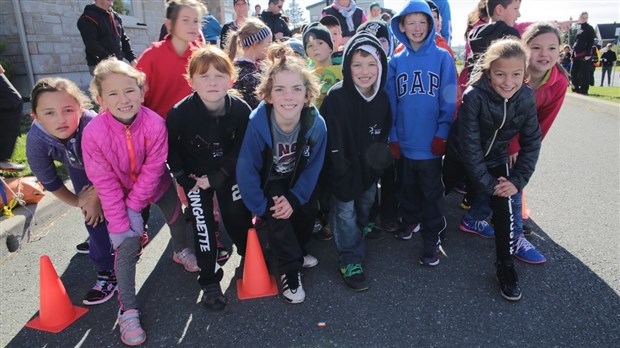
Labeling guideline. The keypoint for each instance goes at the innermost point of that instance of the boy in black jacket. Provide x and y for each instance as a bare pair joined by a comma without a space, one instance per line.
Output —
358,117
103,34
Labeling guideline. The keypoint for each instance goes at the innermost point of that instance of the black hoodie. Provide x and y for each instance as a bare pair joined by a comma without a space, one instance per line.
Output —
357,129
482,36
103,35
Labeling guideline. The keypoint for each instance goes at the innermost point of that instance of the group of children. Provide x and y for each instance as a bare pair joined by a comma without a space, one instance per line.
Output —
177,116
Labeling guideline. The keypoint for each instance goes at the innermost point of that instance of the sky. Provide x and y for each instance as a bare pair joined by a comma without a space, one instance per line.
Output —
603,11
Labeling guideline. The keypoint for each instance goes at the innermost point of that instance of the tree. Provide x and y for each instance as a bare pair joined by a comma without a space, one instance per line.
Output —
295,13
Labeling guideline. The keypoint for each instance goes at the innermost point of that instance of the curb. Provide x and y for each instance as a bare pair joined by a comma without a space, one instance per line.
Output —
15,231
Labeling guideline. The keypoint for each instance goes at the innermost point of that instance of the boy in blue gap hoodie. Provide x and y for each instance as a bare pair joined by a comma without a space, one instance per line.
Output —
358,117
421,85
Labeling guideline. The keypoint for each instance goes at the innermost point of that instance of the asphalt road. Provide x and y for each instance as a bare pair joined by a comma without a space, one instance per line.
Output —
571,301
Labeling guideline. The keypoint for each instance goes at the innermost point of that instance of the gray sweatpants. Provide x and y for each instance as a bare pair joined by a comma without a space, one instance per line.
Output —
128,252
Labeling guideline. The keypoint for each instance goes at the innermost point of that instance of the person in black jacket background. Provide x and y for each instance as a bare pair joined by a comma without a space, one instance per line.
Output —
608,58
496,107
272,16
103,34
581,70
358,117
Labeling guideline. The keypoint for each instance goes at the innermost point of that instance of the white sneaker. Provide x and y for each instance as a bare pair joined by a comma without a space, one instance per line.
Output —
310,261
292,290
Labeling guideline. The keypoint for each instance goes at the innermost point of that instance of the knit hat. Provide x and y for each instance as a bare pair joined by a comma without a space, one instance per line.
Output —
377,28
329,21
432,6
317,31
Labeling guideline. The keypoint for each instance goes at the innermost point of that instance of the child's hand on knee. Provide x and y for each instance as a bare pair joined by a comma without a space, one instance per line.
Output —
504,188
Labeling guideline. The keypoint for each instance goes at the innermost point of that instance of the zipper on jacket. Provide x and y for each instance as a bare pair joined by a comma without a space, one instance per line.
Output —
497,130
132,155
298,155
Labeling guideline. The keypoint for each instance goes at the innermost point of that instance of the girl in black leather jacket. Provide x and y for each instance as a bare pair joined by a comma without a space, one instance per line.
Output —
496,107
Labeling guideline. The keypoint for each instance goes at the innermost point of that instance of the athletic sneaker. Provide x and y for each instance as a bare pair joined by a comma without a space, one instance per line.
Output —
104,289
461,188
292,290
187,259
324,234
508,280
481,228
212,297
222,253
353,276
372,231
83,248
526,252
310,261
318,225
430,255
132,333
407,233
465,203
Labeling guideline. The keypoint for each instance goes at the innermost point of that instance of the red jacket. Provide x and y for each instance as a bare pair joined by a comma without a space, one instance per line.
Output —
165,70
549,99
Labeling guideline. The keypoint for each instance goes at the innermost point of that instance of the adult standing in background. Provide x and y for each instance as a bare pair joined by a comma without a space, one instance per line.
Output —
241,8
103,34
10,117
374,12
446,19
607,62
272,17
257,10
580,71
349,16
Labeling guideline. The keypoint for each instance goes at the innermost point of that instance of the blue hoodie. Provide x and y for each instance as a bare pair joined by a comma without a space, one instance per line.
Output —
421,85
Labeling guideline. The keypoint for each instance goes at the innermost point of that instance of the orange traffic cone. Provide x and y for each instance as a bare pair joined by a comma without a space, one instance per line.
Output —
56,311
525,212
256,280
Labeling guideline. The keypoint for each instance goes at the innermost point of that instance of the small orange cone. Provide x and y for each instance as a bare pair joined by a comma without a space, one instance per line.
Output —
256,280
525,212
56,311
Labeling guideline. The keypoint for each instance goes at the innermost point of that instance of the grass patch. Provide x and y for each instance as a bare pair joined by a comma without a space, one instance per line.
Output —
611,94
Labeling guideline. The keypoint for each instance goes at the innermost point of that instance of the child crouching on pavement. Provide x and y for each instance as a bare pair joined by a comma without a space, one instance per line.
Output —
60,113
125,151
205,131
358,117
496,107
280,161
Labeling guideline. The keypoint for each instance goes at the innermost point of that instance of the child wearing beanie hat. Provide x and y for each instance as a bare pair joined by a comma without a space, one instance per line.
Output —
333,25
381,31
318,44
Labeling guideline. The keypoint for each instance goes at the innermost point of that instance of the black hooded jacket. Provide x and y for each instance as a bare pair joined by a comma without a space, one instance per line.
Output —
103,35
485,126
482,36
357,129
275,23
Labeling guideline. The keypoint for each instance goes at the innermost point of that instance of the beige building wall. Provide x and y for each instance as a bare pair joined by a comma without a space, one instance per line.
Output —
54,44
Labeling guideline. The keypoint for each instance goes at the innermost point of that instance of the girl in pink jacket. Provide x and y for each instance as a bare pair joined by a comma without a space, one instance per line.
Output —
125,151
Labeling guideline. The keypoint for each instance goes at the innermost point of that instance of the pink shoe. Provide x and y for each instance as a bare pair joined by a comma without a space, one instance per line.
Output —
187,259
131,331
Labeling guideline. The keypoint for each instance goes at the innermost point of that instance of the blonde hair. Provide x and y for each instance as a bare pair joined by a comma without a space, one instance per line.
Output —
113,66
58,84
280,57
205,57
503,48
177,5
249,28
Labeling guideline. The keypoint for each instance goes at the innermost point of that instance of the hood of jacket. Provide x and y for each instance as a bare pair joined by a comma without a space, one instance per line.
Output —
358,41
481,37
413,6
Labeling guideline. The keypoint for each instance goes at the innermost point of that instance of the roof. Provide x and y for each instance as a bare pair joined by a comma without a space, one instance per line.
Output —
316,4
607,31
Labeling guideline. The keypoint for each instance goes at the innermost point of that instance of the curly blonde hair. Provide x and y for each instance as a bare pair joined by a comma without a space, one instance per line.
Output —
280,57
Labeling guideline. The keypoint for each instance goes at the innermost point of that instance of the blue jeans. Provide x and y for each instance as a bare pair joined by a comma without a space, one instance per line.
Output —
346,220
480,207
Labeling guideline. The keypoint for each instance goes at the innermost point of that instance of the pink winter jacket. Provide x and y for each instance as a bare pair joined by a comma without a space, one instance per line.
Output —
127,164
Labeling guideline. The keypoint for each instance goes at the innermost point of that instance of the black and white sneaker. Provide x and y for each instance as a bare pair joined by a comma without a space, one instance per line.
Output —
292,290
508,280
310,261
104,289
83,248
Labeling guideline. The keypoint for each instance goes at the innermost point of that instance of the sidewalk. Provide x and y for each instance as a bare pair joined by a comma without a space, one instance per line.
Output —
21,228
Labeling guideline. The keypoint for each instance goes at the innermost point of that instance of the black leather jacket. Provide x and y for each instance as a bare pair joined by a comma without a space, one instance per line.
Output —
485,126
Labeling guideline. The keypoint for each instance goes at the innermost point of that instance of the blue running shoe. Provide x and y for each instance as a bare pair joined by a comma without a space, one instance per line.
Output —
481,228
407,232
526,252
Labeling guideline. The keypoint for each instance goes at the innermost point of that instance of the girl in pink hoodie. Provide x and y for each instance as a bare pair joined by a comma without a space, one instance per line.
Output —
125,150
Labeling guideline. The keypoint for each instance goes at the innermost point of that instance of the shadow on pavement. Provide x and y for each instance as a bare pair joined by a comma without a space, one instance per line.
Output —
454,304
